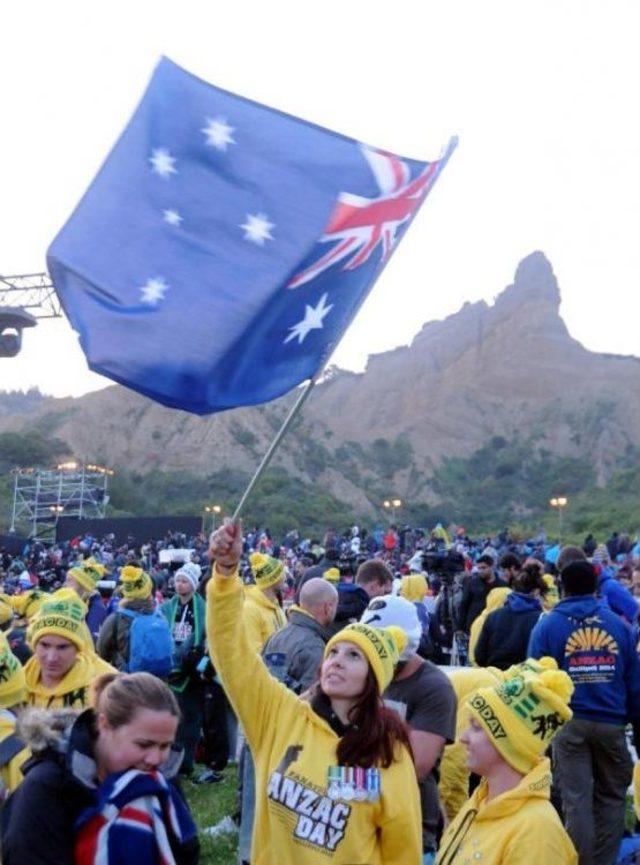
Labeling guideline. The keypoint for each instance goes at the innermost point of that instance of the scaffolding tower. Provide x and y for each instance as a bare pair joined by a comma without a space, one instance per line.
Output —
42,496
33,292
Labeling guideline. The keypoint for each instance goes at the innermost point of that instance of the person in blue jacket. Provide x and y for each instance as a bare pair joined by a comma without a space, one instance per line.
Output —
592,765
616,596
504,637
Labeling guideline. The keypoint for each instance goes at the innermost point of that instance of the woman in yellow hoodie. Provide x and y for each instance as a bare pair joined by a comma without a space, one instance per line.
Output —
63,663
335,781
509,819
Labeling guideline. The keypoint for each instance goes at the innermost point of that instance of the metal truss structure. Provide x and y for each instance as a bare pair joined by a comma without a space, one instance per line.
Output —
42,496
33,292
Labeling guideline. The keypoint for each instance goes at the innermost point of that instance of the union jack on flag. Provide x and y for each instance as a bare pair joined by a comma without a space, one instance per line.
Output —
176,265
358,225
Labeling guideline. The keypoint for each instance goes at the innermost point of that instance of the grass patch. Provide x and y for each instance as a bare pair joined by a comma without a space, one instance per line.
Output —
209,803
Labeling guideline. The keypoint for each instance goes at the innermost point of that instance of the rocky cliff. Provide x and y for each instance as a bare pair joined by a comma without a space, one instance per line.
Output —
509,369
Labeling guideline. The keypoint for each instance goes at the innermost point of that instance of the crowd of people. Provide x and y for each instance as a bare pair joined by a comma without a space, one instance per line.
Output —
391,696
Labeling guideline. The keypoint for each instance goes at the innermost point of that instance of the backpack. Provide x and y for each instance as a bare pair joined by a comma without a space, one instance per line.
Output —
150,644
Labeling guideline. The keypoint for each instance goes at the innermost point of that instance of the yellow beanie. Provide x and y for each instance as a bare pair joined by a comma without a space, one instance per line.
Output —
333,575
382,647
13,687
531,665
522,714
28,603
135,583
88,573
65,593
62,615
266,570
414,587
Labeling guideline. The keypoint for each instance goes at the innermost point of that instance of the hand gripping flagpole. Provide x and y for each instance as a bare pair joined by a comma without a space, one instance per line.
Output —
266,459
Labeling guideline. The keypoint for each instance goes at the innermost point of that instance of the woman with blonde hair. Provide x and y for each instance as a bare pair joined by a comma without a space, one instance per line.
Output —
99,785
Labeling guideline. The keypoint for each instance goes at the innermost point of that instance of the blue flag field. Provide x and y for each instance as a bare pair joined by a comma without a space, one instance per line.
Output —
224,247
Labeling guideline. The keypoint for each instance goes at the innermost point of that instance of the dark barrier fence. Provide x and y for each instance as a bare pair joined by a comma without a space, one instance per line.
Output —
139,529
13,544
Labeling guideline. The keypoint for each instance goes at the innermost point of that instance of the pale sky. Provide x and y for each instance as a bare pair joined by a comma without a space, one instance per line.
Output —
544,96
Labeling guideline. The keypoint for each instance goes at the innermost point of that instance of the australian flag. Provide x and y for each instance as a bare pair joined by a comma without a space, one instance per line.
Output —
224,247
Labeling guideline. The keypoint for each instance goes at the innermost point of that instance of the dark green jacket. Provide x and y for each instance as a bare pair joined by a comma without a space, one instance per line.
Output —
188,653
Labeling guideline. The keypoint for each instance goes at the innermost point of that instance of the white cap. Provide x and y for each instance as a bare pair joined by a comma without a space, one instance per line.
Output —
388,610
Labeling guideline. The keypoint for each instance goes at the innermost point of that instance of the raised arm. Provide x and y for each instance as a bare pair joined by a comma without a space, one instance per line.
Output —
255,695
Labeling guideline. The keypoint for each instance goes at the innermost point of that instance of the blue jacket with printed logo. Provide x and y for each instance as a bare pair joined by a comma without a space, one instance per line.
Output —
597,649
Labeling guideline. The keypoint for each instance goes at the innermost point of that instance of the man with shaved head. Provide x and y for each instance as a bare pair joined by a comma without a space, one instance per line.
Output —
295,652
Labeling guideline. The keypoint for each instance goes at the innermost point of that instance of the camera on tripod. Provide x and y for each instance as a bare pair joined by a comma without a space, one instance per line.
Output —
444,564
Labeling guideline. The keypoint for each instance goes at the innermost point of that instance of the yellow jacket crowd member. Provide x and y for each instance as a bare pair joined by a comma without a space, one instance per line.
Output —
309,810
552,596
495,600
509,819
62,667
13,694
26,604
414,587
6,611
262,612
454,775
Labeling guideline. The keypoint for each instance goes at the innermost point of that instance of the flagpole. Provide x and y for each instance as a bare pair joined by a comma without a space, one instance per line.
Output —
266,459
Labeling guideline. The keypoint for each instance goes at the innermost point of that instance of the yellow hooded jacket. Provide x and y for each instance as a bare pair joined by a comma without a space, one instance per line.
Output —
73,691
296,823
495,600
518,827
11,773
262,617
454,775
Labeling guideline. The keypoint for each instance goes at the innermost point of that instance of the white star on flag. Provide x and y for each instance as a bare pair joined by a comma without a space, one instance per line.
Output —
153,291
218,133
172,217
312,320
162,162
257,228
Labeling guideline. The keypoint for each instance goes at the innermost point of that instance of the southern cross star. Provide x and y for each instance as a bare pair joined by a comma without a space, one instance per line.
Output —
172,217
218,133
162,162
312,320
153,291
257,228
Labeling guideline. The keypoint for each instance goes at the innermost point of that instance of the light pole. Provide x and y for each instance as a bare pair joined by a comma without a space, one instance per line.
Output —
392,504
559,502
213,510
